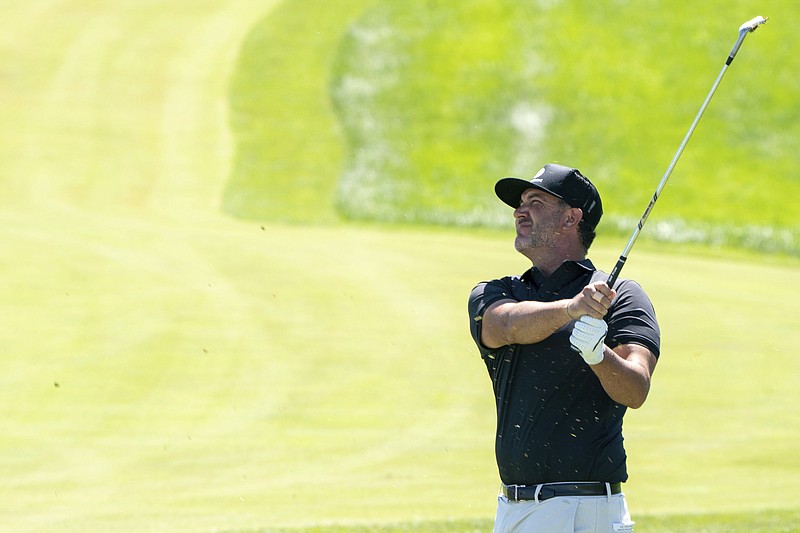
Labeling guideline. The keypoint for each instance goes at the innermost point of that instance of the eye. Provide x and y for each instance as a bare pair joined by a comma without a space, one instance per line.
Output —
530,202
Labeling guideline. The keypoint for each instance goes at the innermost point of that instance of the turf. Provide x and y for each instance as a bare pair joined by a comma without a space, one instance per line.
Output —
166,366
762,522
288,139
434,97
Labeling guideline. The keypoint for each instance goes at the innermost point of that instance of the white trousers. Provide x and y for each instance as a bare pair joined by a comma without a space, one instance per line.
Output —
564,514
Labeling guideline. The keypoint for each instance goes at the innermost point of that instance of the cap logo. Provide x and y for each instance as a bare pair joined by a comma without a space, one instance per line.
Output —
541,171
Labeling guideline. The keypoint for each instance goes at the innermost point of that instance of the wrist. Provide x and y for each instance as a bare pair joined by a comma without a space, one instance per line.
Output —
596,357
566,308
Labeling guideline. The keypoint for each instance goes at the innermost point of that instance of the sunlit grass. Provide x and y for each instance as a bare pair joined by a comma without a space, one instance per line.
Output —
408,112
167,367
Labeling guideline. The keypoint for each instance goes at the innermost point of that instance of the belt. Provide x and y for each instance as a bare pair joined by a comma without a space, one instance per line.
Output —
545,491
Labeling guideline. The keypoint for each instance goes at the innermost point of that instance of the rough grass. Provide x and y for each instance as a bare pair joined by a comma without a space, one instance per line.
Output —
437,100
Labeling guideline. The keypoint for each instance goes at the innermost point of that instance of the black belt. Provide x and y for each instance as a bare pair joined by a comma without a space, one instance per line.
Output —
517,493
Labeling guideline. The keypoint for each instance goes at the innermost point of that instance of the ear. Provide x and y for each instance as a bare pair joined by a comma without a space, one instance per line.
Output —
573,216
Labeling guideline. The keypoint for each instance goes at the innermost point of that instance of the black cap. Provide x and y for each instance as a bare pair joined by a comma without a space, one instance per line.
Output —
564,182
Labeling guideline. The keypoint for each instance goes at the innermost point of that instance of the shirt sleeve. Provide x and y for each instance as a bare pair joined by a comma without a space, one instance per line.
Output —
481,298
632,319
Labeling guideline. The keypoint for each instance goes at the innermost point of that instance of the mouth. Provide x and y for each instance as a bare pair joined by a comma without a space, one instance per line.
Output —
523,223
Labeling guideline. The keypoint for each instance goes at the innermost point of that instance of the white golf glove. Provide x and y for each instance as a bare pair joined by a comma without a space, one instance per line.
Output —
587,338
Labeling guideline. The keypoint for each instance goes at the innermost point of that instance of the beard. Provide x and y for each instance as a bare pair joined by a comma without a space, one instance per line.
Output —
542,235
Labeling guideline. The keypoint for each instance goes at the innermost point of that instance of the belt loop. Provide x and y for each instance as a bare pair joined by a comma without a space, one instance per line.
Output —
516,492
608,491
536,493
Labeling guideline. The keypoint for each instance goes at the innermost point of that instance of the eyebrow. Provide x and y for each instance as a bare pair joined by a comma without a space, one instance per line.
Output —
533,193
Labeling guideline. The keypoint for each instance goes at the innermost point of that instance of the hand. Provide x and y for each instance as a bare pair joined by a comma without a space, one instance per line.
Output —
594,300
588,338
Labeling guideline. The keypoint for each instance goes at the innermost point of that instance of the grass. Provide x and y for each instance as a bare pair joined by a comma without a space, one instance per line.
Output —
192,377
423,95
763,522
166,367
439,100
288,140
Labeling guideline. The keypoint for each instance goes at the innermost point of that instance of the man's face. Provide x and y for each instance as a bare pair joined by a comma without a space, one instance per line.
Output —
538,220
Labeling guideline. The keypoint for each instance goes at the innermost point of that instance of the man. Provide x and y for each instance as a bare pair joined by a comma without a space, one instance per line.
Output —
567,356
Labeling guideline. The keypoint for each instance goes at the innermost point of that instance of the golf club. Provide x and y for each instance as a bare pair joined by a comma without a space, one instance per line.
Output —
748,27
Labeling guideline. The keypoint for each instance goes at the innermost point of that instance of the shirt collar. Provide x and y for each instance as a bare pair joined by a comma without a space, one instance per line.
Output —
568,271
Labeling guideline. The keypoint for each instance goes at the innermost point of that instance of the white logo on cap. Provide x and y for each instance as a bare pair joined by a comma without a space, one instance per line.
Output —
536,177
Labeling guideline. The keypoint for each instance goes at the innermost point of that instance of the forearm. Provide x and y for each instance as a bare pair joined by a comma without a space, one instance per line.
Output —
528,322
625,374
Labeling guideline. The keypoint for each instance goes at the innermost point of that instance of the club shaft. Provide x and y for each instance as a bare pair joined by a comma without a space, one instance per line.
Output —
746,28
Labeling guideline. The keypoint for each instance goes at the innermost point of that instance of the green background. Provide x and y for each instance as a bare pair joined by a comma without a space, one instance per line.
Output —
238,238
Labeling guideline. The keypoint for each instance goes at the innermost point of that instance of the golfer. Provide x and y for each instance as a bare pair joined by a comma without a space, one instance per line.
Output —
567,356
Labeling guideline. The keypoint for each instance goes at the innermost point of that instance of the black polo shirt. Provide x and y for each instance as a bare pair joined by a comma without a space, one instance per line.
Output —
554,420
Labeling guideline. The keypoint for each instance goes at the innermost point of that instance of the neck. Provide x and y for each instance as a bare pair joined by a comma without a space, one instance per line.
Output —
547,263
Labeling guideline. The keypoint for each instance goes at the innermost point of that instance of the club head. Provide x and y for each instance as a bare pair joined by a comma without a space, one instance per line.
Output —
751,25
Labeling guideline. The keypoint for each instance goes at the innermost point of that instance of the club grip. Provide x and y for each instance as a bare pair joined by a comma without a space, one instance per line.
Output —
612,278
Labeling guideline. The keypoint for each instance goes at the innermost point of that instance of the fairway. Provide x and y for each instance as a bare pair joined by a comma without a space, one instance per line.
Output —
198,375
169,367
